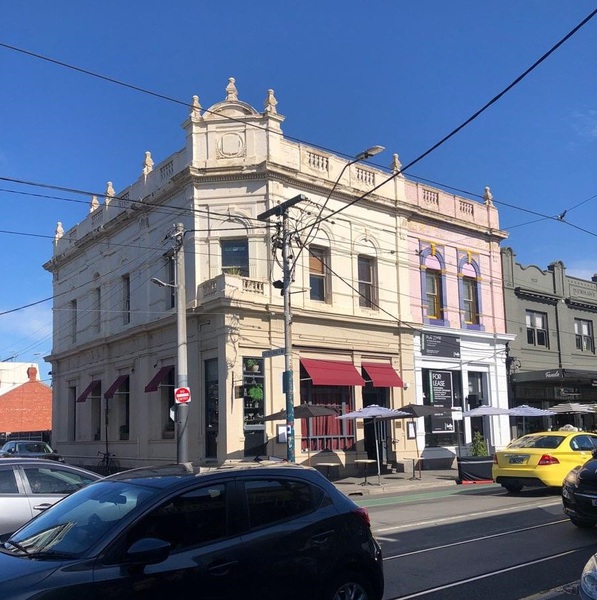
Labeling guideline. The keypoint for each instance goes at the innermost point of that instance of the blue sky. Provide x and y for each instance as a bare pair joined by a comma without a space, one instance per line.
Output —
347,75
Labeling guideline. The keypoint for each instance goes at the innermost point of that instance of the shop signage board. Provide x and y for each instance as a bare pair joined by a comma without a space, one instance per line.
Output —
441,395
444,346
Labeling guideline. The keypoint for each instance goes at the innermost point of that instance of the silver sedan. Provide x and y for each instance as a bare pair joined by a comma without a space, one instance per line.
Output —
30,485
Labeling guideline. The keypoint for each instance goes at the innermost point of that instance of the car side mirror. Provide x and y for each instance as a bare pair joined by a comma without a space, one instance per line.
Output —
148,551
594,453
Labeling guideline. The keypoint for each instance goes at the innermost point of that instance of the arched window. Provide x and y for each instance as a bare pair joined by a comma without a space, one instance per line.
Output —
470,295
434,288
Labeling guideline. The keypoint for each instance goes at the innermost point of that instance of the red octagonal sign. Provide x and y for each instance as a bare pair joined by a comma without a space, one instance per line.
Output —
182,395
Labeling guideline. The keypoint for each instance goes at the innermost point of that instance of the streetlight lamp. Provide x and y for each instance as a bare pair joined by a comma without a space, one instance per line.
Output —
364,155
182,377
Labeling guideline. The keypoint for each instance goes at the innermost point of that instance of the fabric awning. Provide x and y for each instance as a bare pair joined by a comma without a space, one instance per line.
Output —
112,389
331,372
89,390
160,376
383,375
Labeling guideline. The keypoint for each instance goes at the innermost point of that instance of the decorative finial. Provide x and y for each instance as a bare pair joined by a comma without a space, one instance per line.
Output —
147,164
94,204
231,92
195,108
270,103
59,231
488,196
396,165
109,194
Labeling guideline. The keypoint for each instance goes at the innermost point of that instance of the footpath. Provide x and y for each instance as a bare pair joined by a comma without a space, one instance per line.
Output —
389,483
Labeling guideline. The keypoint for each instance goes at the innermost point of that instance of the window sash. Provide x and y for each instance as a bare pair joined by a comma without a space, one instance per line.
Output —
433,293
318,273
235,256
584,335
537,329
366,275
471,311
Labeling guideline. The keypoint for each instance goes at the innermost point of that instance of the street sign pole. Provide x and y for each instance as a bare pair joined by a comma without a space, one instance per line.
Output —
182,377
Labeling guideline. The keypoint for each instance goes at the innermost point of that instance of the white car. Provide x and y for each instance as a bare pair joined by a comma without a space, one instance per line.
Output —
30,485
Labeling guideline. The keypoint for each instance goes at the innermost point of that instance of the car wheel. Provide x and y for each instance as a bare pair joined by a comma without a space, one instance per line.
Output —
582,524
513,488
349,586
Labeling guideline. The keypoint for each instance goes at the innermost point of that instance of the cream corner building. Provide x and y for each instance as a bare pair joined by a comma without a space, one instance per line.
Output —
393,279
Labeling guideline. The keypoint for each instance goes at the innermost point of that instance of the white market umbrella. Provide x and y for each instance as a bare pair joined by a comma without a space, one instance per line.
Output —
377,413
486,410
529,411
571,407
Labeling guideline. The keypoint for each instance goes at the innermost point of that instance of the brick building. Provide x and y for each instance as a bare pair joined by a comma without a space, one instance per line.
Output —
25,407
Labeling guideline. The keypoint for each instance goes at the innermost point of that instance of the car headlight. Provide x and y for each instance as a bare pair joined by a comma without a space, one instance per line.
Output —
572,477
588,579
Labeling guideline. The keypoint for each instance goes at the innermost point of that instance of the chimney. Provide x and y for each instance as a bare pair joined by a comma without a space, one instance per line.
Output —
32,374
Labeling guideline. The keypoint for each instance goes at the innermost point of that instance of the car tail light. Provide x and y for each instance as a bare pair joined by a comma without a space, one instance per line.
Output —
363,514
548,459
495,460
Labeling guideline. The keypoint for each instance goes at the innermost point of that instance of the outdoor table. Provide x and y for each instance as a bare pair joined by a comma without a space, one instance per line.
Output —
366,462
415,460
328,466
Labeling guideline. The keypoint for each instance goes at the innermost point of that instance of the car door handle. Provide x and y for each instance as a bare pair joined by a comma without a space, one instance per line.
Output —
44,506
322,538
222,568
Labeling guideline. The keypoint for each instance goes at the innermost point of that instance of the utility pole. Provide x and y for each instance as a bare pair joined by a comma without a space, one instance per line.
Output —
288,379
182,375
182,369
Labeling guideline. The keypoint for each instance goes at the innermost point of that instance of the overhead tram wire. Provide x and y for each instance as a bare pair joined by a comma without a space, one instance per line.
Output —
467,121
158,95
186,104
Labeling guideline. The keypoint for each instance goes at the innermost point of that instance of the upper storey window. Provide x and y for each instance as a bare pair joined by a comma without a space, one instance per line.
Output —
433,292
367,281
235,256
537,329
319,273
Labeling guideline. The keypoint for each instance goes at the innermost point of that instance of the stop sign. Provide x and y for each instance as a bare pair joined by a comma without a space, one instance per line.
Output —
182,395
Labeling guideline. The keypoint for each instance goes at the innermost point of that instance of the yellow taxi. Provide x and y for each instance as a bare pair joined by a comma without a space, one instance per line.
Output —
541,459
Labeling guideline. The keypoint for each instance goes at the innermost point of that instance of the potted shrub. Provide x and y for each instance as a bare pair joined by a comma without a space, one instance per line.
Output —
255,392
476,467
251,364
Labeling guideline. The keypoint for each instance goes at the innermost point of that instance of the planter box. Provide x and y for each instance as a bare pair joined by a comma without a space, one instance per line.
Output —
475,468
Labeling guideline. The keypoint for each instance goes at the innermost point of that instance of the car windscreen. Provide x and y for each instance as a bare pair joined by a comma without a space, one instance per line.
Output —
538,441
34,448
78,522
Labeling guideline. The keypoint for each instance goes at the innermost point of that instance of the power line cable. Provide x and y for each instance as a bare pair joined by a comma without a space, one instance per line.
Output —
472,117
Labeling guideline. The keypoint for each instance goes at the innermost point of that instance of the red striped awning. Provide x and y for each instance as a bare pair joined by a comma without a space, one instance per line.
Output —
332,372
383,375
158,378
92,387
112,389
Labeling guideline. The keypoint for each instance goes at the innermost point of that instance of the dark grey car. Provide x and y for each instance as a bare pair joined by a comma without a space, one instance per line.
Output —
29,449
28,486
248,531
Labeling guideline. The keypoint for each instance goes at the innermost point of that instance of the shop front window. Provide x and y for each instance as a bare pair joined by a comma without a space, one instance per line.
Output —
326,433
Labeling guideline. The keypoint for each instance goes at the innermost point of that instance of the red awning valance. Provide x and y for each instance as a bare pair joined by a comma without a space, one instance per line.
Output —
383,375
332,372
112,389
92,387
160,376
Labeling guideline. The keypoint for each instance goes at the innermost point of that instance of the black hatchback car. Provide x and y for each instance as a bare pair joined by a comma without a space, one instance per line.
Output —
579,493
251,531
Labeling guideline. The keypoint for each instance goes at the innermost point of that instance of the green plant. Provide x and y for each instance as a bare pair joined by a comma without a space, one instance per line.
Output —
250,363
478,446
256,392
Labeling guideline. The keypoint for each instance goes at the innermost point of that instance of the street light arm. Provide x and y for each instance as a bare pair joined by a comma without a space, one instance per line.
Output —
161,283
361,156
